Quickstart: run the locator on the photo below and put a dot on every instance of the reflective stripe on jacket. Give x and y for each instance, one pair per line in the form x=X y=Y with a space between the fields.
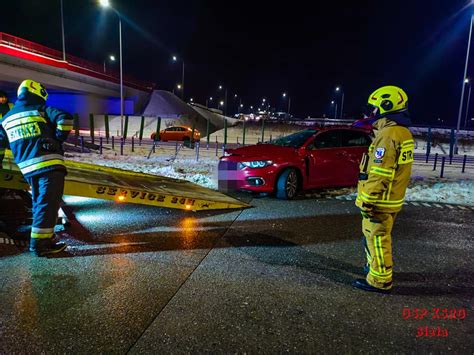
x=35 y=134
x=385 y=171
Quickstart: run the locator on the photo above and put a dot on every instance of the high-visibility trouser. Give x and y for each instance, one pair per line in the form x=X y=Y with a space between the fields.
x=47 y=191
x=378 y=248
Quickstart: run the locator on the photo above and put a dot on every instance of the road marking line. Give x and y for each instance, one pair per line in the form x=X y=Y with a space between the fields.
x=449 y=206
x=462 y=207
x=415 y=203
x=436 y=205
x=426 y=204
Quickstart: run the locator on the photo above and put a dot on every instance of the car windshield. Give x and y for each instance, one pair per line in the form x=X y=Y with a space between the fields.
x=295 y=140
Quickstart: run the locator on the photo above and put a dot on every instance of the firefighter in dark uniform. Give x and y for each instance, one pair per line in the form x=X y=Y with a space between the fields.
x=35 y=133
x=383 y=180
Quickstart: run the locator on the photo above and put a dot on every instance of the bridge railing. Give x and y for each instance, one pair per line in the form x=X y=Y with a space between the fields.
x=32 y=47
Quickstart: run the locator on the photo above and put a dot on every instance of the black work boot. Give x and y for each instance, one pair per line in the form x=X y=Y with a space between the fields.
x=44 y=247
x=362 y=284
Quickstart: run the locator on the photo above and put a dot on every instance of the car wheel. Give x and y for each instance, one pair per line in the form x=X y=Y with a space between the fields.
x=287 y=184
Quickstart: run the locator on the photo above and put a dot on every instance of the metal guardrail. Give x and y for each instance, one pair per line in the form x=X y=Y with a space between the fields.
x=455 y=158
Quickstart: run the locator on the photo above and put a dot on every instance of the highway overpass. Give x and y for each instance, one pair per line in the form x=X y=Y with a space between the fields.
x=82 y=87
x=74 y=84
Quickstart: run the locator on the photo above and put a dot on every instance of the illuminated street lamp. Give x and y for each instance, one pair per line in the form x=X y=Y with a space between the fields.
x=178 y=87
x=464 y=83
x=175 y=59
x=339 y=89
x=207 y=101
x=106 y=4
x=225 y=99
x=111 y=58
x=335 y=108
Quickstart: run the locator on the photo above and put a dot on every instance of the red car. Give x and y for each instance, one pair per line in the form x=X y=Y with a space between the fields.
x=309 y=159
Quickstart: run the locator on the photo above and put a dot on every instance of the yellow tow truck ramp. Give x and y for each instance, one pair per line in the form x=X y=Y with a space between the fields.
x=122 y=186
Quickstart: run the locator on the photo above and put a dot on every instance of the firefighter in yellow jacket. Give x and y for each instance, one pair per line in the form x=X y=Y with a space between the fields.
x=384 y=176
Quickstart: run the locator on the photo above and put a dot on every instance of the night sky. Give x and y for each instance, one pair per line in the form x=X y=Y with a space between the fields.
x=259 y=49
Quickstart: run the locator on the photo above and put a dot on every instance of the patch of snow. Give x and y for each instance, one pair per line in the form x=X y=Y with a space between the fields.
x=437 y=190
x=203 y=173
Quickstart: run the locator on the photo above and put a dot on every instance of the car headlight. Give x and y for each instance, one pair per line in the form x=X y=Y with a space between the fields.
x=256 y=164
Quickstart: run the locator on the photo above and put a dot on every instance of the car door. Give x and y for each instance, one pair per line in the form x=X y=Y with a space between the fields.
x=181 y=133
x=167 y=134
x=174 y=134
x=324 y=160
x=355 y=144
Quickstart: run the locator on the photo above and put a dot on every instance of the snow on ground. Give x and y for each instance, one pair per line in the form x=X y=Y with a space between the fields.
x=426 y=185
x=203 y=173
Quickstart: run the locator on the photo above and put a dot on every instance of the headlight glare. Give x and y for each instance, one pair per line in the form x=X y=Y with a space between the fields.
x=256 y=164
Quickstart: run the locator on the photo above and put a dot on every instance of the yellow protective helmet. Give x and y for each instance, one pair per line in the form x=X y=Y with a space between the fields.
x=389 y=99
x=33 y=87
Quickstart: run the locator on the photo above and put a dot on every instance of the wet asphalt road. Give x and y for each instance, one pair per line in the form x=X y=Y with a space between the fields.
x=273 y=278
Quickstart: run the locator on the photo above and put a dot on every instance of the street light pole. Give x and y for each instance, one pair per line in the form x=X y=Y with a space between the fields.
x=182 y=83
x=225 y=99
x=225 y=102
x=62 y=32
x=342 y=100
x=106 y=4
x=463 y=86
x=121 y=75
x=335 y=108
x=175 y=58
x=111 y=58
x=342 y=106
x=467 y=105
